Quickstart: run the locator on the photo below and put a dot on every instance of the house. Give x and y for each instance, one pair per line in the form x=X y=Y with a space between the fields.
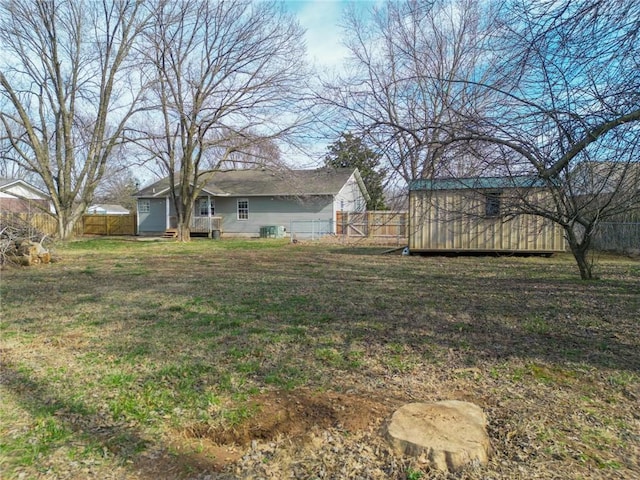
x=606 y=179
x=18 y=196
x=250 y=202
x=107 y=209
x=480 y=215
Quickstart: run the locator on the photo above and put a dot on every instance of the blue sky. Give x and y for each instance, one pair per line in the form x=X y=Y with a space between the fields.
x=320 y=19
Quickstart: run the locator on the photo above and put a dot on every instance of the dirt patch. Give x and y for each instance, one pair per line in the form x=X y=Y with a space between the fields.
x=294 y=414
x=293 y=432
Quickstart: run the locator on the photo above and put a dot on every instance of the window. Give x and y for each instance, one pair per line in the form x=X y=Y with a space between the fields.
x=144 y=206
x=203 y=207
x=243 y=209
x=492 y=205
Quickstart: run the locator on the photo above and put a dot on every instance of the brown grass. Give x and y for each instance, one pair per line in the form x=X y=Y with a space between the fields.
x=263 y=359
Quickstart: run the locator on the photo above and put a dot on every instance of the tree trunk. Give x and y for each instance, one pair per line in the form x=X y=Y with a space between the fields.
x=184 y=219
x=580 y=251
x=184 y=232
x=66 y=224
x=584 y=265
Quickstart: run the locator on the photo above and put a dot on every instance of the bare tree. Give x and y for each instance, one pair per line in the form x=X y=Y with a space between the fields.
x=251 y=151
x=9 y=163
x=399 y=93
x=571 y=117
x=547 y=89
x=118 y=187
x=227 y=77
x=68 y=91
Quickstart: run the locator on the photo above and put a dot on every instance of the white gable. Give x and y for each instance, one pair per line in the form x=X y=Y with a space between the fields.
x=350 y=197
x=18 y=190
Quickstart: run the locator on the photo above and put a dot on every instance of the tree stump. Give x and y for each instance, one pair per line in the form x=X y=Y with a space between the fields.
x=451 y=434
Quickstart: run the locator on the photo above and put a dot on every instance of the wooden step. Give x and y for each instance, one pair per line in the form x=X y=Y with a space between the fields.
x=170 y=233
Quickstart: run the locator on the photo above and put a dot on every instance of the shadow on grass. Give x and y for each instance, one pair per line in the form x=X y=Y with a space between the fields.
x=96 y=431
x=551 y=320
x=204 y=322
x=555 y=320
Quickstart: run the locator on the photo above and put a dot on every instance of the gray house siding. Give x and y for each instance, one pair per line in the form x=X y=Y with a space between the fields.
x=274 y=199
x=155 y=219
x=264 y=211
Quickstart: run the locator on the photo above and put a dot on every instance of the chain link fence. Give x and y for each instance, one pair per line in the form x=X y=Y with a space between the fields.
x=623 y=237
x=310 y=229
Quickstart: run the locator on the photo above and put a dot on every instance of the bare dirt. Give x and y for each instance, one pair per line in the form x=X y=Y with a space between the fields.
x=294 y=414
x=288 y=429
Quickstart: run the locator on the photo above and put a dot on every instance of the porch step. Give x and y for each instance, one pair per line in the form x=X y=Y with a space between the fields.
x=170 y=233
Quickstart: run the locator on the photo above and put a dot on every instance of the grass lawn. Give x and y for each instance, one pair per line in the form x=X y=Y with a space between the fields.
x=262 y=359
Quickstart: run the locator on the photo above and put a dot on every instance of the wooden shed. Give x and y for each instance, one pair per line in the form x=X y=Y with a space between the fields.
x=480 y=215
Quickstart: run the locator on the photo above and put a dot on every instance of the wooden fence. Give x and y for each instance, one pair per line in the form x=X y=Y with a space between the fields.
x=109 y=224
x=89 y=224
x=372 y=224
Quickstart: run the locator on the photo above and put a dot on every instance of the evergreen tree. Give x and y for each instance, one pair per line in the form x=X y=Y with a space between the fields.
x=350 y=151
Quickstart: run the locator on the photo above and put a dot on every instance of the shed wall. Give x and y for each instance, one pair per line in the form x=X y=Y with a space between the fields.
x=455 y=221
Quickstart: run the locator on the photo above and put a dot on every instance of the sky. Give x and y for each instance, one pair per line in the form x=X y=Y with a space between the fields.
x=320 y=19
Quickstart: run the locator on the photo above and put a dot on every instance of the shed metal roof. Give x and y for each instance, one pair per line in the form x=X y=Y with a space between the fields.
x=476 y=183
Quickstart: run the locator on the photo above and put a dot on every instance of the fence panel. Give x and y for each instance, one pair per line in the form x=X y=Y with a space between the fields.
x=88 y=225
x=39 y=222
x=109 y=224
x=372 y=224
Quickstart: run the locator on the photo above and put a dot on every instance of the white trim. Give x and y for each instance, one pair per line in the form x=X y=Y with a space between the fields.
x=238 y=209
x=334 y=216
x=167 y=213
x=137 y=219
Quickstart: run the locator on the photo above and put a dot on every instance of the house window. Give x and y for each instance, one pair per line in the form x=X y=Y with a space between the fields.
x=243 y=209
x=144 y=206
x=203 y=207
x=492 y=205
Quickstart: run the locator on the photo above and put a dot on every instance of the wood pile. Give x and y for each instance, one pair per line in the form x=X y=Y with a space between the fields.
x=25 y=252
x=19 y=243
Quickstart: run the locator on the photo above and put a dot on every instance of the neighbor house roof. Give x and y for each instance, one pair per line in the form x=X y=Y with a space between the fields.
x=593 y=177
x=10 y=185
x=107 y=208
x=476 y=183
x=261 y=182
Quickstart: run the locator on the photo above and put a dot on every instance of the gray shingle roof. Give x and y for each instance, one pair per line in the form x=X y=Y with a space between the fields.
x=260 y=182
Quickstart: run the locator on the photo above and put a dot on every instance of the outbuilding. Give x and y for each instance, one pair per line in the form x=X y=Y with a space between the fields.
x=481 y=215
